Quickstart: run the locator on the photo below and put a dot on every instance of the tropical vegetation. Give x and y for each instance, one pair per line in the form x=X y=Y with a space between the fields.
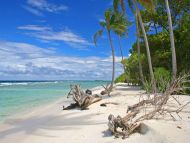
x=162 y=48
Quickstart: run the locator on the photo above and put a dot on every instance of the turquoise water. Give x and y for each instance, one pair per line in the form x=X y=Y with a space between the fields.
x=17 y=97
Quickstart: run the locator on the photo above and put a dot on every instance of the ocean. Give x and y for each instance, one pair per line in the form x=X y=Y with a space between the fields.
x=19 y=96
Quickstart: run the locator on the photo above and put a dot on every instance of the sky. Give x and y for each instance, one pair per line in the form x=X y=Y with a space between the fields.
x=53 y=40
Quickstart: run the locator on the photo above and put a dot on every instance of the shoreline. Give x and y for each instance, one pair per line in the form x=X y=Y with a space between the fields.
x=52 y=124
x=38 y=107
x=29 y=112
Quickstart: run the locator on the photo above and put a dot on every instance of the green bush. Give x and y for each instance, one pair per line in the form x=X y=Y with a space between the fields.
x=121 y=78
x=147 y=86
x=163 y=78
x=185 y=83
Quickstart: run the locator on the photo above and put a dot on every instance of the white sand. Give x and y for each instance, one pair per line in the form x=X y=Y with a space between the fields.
x=51 y=124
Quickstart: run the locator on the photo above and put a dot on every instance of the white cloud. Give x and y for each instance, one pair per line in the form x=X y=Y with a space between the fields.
x=48 y=34
x=34 y=28
x=38 y=6
x=23 y=48
x=26 y=61
x=66 y=36
x=33 y=11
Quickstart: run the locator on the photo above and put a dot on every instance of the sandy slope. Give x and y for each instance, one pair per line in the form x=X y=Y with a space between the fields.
x=52 y=125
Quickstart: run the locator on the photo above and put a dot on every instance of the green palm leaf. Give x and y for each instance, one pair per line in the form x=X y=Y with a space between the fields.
x=97 y=35
x=148 y=4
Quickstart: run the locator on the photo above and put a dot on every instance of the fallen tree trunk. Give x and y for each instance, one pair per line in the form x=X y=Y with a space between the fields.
x=82 y=99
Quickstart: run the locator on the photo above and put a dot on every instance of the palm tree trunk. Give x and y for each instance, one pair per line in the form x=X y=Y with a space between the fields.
x=147 y=47
x=121 y=51
x=139 y=51
x=174 y=63
x=113 y=58
x=123 y=7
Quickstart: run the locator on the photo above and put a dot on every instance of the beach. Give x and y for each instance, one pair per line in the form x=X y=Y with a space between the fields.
x=50 y=124
x=23 y=96
x=95 y=71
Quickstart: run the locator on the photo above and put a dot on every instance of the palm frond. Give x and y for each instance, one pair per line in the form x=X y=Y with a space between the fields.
x=103 y=24
x=97 y=35
x=148 y=4
x=120 y=29
x=112 y=19
x=108 y=15
x=120 y=25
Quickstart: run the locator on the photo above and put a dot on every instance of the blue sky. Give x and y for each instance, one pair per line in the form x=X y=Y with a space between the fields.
x=52 y=39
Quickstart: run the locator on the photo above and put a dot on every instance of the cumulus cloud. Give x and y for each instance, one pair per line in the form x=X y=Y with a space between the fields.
x=37 y=7
x=48 y=34
x=26 y=61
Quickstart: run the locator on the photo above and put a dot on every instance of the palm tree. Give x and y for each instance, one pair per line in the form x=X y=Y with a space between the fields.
x=174 y=63
x=138 y=42
x=149 y=2
x=120 y=28
x=139 y=50
x=146 y=45
x=107 y=25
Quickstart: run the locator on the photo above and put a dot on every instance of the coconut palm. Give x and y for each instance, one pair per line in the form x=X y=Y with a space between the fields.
x=138 y=42
x=120 y=21
x=109 y=24
x=174 y=63
x=149 y=4
x=146 y=44
x=139 y=50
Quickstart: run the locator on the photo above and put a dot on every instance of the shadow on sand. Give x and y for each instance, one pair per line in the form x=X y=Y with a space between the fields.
x=62 y=122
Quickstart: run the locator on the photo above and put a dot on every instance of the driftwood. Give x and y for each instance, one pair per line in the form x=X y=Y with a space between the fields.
x=105 y=104
x=89 y=92
x=71 y=106
x=132 y=122
x=175 y=86
x=126 y=128
x=82 y=99
x=107 y=90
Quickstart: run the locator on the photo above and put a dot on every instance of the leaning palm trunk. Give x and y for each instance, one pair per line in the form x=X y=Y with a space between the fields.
x=174 y=64
x=147 y=47
x=121 y=51
x=139 y=52
x=113 y=58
